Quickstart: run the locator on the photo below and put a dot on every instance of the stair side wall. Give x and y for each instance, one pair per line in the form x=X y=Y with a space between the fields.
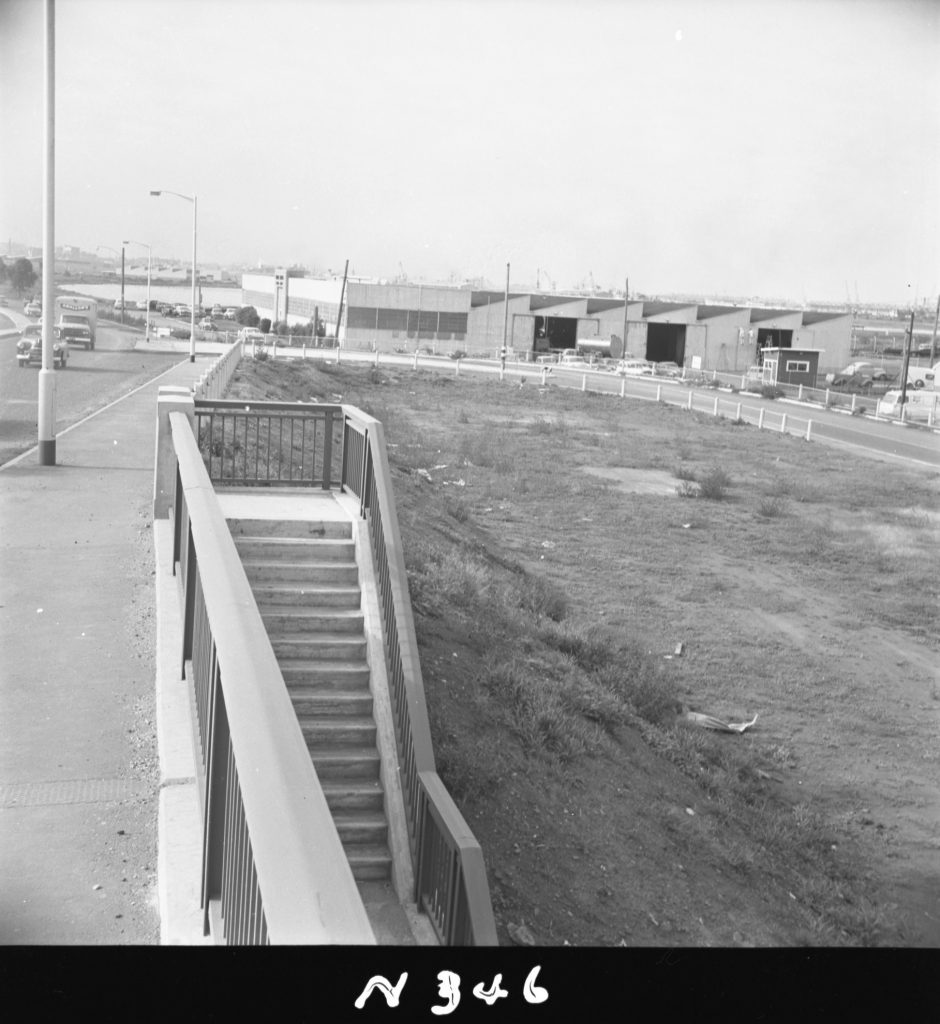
x=399 y=847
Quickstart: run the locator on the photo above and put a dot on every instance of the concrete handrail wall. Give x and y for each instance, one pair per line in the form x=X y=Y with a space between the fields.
x=450 y=877
x=214 y=381
x=299 y=875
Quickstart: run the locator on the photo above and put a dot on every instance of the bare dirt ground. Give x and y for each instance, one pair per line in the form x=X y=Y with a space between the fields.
x=806 y=593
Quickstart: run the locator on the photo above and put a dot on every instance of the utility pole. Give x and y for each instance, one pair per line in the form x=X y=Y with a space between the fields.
x=122 y=284
x=46 y=396
x=933 y=340
x=907 y=360
x=342 y=295
x=626 y=307
x=505 y=318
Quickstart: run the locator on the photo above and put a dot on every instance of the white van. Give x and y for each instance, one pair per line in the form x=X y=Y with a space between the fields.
x=921 y=377
x=920 y=405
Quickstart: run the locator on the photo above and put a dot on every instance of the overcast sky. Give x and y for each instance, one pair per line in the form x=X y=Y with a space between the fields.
x=757 y=149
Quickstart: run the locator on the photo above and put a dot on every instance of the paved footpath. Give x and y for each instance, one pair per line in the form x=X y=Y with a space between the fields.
x=79 y=773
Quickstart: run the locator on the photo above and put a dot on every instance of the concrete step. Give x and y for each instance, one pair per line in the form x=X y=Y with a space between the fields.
x=305 y=595
x=334 y=673
x=338 y=731
x=295 y=549
x=361 y=828
x=345 y=763
x=305 y=528
x=312 y=620
x=369 y=862
x=315 y=701
x=356 y=794
x=291 y=648
x=259 y=570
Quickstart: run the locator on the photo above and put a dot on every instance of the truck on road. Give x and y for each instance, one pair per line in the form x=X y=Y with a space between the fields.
x=76 y=320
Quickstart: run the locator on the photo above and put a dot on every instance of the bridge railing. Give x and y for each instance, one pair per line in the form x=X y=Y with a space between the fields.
x=270 y=444
x=450 y=877
x=274 y=870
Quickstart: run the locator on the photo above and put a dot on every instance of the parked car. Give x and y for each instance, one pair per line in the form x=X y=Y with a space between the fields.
x=231 y=312
x=181 y=309
x=919 y=405
x=635 y=368
x=33 y=309
x=667 y=370
x=217 y=310
x=857 y=382
x=29 y=348
x=207 y=325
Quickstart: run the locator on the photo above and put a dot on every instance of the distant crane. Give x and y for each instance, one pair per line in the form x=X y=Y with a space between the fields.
x=538 y=278
x=402 y=276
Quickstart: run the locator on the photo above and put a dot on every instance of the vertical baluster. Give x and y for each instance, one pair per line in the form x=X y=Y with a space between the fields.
x=267 y=464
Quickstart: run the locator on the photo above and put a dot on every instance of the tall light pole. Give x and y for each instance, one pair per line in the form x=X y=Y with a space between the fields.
x=46 y=396
x=192 y=308
x=149 y=249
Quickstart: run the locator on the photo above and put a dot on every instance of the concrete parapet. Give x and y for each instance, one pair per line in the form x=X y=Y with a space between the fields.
x=169 y=399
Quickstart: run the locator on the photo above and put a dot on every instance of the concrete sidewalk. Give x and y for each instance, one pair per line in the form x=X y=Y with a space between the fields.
x=79 y=773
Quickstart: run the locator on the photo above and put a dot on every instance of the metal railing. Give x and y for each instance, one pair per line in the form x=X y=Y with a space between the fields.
x=450 y=877
x=274 y=870
x=269 y=444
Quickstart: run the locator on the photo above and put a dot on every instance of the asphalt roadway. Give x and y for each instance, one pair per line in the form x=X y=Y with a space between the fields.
x=79 y=771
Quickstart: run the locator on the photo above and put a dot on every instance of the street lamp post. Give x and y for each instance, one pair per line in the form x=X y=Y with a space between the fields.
x=192 y=320
x=149 y=249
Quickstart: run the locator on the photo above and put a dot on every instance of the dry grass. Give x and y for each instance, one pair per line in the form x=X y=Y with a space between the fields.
x=575 y=591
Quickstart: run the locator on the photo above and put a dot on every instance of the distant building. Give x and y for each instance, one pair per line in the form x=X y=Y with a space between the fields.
x=396 y=316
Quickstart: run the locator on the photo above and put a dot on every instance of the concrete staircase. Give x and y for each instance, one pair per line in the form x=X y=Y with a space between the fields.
x=306 y=583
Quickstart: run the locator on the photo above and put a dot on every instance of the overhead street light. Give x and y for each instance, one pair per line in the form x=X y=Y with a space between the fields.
x=192 y=322
x=149 y=266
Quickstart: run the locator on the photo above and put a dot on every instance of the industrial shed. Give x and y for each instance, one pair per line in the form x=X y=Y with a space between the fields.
x=390 y=317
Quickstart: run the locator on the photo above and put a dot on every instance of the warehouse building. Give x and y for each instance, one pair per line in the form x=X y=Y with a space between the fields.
x=369 y=316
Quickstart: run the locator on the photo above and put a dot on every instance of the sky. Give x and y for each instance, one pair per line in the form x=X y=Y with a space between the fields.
x=749 y=148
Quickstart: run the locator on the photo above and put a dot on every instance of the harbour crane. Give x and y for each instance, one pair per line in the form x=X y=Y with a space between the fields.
x=538 y=279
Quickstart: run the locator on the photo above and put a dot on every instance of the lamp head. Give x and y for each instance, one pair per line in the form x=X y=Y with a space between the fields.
x=156 y=191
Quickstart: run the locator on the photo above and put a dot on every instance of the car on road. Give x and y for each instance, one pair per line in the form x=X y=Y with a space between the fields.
x=29 y=348
x=33 y=309
x=634 y=368
x=231 y=312
x=217 y=310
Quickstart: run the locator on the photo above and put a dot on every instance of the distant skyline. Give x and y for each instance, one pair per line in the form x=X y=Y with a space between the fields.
x=734 y=147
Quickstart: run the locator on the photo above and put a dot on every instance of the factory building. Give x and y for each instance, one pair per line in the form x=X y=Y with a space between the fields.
x=369 y=316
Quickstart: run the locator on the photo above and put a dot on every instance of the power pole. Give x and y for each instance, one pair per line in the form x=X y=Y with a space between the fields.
x=342 y=295
x=505 y=318
x=907 y=360
x=122 y=284
x=933 y=340
x=626 y=307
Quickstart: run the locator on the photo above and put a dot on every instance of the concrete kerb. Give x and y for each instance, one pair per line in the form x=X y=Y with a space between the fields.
x=179 y=823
